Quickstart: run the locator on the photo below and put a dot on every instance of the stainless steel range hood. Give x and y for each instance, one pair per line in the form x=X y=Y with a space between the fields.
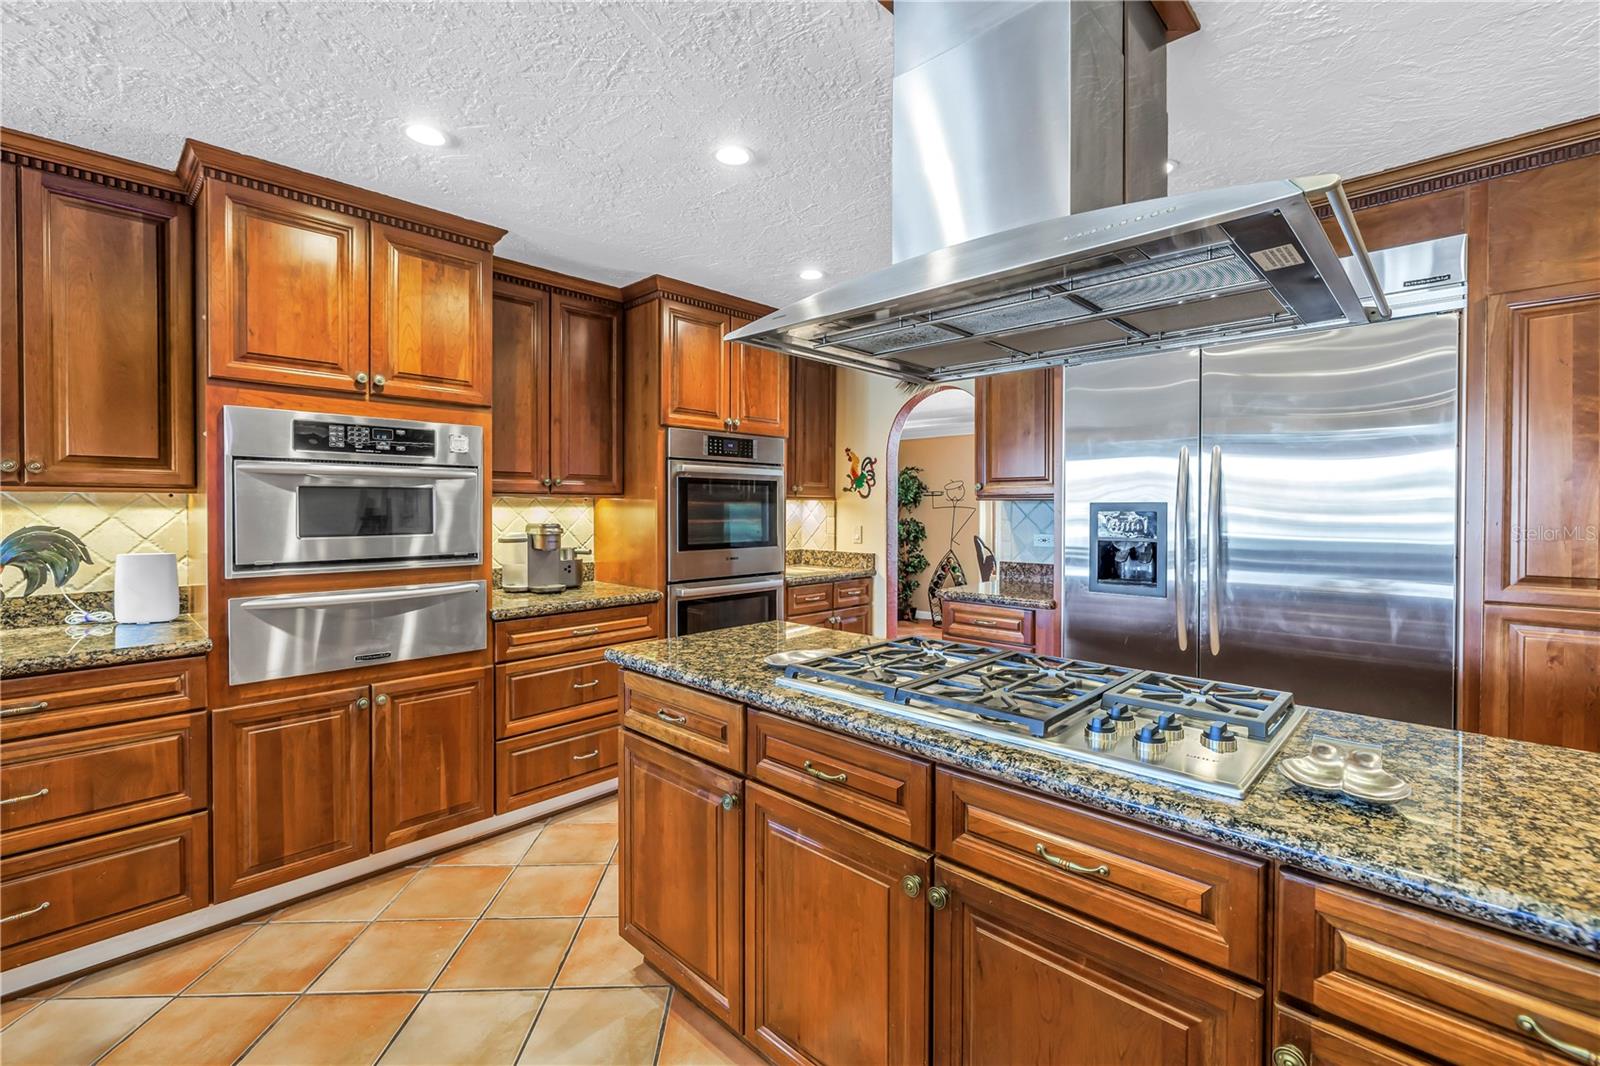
x=1008 y=116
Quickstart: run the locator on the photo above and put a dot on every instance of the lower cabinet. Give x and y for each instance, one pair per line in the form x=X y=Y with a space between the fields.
x=1018 y=981
x=555 y=761
x=681 y=899
x=432 y=755
x=1302 y=1039
x=836 y=938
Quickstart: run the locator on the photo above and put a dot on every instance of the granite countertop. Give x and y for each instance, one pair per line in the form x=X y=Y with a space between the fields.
x=1006 y=592
x=1500 y=831
x=589 y=596
x=812 y=566
x=29 y=650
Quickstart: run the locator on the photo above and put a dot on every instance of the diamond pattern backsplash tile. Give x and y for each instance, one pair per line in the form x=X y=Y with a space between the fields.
x=109 y=523
x=810 y=524
x=511 y=514
x=1017 y=523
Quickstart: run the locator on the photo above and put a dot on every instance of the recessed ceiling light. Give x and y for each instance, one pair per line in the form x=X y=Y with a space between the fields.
x=733 y=155
x=1170 y=165
x=811 y=274
x=431 y=136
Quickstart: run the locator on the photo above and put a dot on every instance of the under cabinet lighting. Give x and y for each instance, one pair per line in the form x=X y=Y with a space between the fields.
x=431 y=136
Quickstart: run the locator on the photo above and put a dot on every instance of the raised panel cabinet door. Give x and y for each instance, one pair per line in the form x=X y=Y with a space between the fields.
x=10 y=332
x=107 y=337
x=1017 y=432
x=521 y=423
x=289 y=788
x=432 y=755
x=431 y=319
x=758 y=388
x=836 y=944
x=1543 y=447
x=682 y=848
x=286 y=291
x=1541 y=675
x=694 y=375
x=585 y=397
x=1018 y=981
x=812 y=423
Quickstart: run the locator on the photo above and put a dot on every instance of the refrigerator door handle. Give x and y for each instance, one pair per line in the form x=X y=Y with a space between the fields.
x=1214 y=552
x=1180 y=584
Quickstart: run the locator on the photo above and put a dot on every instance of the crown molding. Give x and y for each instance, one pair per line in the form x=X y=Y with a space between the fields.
x=658 y=286
x=514 y=273
x=202 y=162
x=54 y=157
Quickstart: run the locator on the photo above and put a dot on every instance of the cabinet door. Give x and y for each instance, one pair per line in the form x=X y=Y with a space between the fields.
x=758 y=388
x=681 y=899
x=431 y=332
x=1541 y=675
x=286 y=291
x=694 y=376
x=1017 y=431
x=10 y=332
x=432 y=755
x=106 y=337
x=1017 y=981
x=521 y=423
x=585 y=397
x=836 y=960
x=289 y=788
x=812 y=424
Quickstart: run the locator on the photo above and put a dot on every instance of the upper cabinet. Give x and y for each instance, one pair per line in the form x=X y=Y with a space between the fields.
x=758 y=388
x=313 y=284
x=557 y=384
x=812 y=395
x=1017 y=434
x=97 y=367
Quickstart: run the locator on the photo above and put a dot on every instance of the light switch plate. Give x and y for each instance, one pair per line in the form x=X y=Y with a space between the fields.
x=1042 y=540
x=859 y=533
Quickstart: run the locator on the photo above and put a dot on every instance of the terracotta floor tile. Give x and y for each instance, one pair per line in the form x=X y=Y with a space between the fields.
x=64 y=1032
x=278 y=958
x=163 y=973
x=602 y=811
x=12 y=1009
x=546 y=892
x=336 y=1030
x=448 y=892
x=510 y=953
x=504 y=850
x=394 y=957
x=199 y=1031
x=605 y=897
x=465 y=1027
x=693 y=1037
x=600 y=957
x=616 y=1026
x=359 y=902
x=573 y=842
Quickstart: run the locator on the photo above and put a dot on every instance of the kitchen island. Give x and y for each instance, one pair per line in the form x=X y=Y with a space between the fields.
x=1495 y=833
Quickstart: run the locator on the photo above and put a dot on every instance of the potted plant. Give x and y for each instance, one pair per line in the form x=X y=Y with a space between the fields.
x=913 y=533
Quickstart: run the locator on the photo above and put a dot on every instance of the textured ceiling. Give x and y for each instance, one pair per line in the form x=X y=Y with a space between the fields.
x=586 y=129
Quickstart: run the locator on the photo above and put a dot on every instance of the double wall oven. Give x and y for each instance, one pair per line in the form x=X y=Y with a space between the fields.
x=725 y=535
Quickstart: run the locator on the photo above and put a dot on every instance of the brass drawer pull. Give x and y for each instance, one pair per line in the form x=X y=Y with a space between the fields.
x=586 y=684
x=820 y=775
x=985 y=622
x=29 y=913
x=25 y=708
x=667 y=716
x=1071 y=867
x=1288 y=1055
x=595 y=754
x=1528 y=1024
x=30 y=796
x=585 y=631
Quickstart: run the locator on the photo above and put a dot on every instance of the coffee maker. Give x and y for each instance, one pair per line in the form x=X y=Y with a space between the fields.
x=534 y=563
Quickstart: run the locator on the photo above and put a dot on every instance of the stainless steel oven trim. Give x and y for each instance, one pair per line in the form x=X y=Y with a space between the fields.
x=713 y=563
x=700 y=590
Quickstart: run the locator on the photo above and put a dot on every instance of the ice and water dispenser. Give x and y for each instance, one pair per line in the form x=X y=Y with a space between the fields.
x=1128 y=553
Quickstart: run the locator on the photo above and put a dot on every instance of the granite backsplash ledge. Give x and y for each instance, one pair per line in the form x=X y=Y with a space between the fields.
x=53 y=609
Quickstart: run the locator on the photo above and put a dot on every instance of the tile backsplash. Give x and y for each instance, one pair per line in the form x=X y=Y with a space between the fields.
x=109 y=524
x=510 y=514
x=810 y=524
x=1016 y=523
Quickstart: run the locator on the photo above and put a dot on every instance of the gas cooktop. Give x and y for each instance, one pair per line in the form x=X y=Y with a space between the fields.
x=1206 y=735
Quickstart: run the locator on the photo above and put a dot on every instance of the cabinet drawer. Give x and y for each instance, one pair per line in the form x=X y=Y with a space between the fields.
x=75 y=894
x=54 y=703
x=853 y=620
x=879 y=788
x=987 y=624
x=559 y=633
x=1442 y=986
x=856 y=592
x=1203 y=902
x=700 y=724
x=807 y=599
x=552 y=762
x=820 y=619
x=541 y=693
x=1327 y=1044
x=59 y=788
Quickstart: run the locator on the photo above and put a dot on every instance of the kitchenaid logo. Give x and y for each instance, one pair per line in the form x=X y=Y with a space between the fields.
x=1526 y=534
x=374 y=656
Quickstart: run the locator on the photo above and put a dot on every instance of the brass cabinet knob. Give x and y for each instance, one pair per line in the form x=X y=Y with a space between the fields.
x=978 y=486
x=1289 y=1055
x=546 y=482
x=911 y=884
x=7 y=465
x=557 y=481
x=735 y=423
x=938 y=897
x=361 y=377
x=34 y=466
x=363 y=703
x=729 y=801
x=381 y=699
x=378 y=381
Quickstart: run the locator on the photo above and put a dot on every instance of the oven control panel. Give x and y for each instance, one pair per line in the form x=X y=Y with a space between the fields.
x=351 y=439
x=730 y=447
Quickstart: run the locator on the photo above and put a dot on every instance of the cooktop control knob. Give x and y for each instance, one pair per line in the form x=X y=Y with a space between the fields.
x=1170 y=723
x=1102 y=732
x=1220 y=739
x=1122 y=718
x=1150 y=743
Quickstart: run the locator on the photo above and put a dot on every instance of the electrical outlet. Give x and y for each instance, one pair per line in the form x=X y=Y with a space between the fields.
x=1042 y=540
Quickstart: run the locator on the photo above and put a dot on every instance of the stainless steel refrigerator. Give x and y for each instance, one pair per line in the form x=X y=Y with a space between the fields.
x=1280 y=513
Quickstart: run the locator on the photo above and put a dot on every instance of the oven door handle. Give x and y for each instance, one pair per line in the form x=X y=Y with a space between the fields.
x=700 y=592
x=729 y=470
x=338 y=599
x=344 y=470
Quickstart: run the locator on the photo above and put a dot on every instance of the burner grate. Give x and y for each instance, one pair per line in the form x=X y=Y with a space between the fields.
x=1257 y=711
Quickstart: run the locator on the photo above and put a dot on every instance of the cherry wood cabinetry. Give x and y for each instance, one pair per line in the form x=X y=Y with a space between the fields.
x=555 y=761
x=431 y=326
x=1017 y=431
x=585 y=397
x=681 y=894
x=813 y=400
x=842 y=605
x=98 y=366
x=758 y=388
x=521 y=388
x=1541 y=675
x=55 y=703
x=432 y=755
x=1001 y=626
x=1324 y=1043
x=694 y=367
